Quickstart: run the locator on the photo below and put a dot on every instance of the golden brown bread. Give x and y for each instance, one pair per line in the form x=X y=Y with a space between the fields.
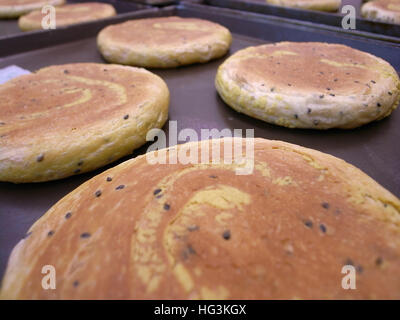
x=309 y=85
x=16 y=8
x=382 y=10
x=69 y=119
x=68 y=14
x=198 y=231
x=164 y=42
x=319 y=5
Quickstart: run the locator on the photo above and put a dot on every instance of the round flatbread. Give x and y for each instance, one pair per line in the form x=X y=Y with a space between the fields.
x=163 y=42
x=382 y=10
x=16 y=8
x=319 y=5
x=68 y=14
x=68 y=119
x=200 y=231
x=309 y=85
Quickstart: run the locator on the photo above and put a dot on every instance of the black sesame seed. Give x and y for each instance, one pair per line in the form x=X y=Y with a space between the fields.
x=289 y=84
x=50 y=233
x=360 y=269
x=213 y=176
x=2 y=123
x=331 y=94
x=80 y=163
x=321 y=96
x=188 y=251
x=323 y=228
x=390 y=93
x=68 y=215
x=109 y=179
x=97 y=193
x=378 y=104
x=126 y=116
x=66 y=71
x=373 y=81
x=296 y=116
x=193 y=228
x=85 y=235
x=272 y=89
x=308 y=223
x=335 y=79
x=328 y=89
x=316 y=122
x=76 y=283
x=309 y=110
x=379 y=261
x=120 y=187
x=349 y=262
x=166 y=206
x=40 y=157
x=325 y=205
x=77 y=171
x=226 y=234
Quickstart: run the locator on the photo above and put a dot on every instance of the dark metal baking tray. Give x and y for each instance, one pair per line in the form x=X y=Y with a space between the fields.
x=9 y=27
x=327 y=18
x=196 y=104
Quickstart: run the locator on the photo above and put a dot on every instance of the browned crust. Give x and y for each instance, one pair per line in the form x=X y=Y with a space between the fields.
x=391 y=5
x=164 y=42
x=309 y=85
x=382 y=10
x=68 y=14
x=16 y=8
x=317 y=67
x=140 y=231
x=164 y=31
x=60 y=116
